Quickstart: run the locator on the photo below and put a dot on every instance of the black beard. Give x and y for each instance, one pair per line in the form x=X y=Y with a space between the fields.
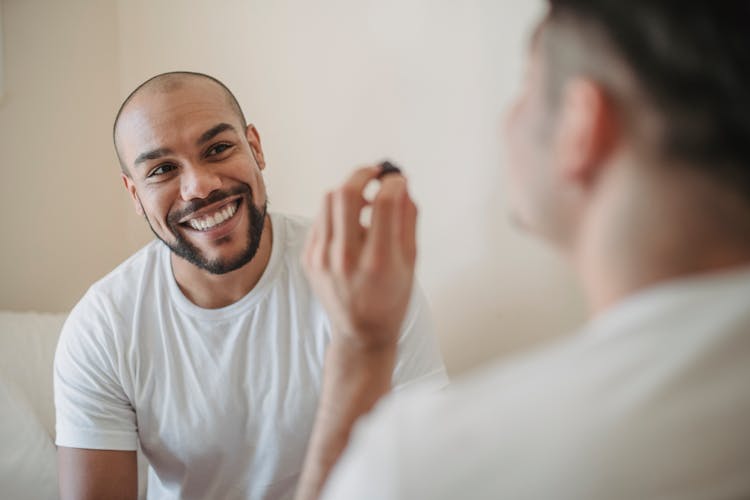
x=183 y=248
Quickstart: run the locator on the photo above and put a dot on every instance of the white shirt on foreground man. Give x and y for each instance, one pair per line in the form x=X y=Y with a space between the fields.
x=648 y=401
x=629 y=152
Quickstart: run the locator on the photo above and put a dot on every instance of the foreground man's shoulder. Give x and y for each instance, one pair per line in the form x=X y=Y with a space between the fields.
x=558 y=423
x=482 y=420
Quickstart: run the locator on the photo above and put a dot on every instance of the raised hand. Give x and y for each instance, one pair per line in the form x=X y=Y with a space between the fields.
x=362 y=275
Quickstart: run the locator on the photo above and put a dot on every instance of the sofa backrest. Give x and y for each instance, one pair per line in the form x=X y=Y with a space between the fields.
x=27 y=352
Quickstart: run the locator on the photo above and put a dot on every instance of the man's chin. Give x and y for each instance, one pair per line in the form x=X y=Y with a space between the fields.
x=223 y=254
x=215 y=264
x=219 y=256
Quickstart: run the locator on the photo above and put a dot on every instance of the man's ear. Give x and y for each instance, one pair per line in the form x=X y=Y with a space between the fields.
x=253 y=138
x=587 y=130
x=130 y=186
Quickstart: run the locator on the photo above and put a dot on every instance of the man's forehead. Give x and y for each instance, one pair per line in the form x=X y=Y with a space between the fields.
x=156 y=114
x=164 y=102
x=170 y=106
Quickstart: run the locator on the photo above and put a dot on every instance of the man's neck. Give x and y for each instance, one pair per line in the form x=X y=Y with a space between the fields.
x=657 y=230
x=212 y=291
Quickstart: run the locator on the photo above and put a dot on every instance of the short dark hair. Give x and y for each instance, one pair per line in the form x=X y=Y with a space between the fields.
x=165 y=82
x=691 y=63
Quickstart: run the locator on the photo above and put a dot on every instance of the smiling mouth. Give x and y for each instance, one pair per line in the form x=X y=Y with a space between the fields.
x=214 y=219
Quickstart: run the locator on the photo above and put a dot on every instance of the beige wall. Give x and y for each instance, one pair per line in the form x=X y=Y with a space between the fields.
x=59 y=197
x=330 y=84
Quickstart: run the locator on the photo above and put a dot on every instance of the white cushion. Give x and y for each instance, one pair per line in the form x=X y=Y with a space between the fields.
x=28 y=467
x=27 y=352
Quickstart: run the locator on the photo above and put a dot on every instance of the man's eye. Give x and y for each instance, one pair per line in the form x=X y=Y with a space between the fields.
x=218 y=149
x=161 y=170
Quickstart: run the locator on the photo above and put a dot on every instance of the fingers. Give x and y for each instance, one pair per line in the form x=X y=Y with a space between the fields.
x=409 y=230
x=326 y=229
x=393 y=221
x=336 y=235
x=337 y=239
x=348 y=233
x=316 y=246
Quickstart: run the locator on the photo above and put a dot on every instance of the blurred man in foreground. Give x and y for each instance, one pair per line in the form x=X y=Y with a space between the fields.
x=630 y=152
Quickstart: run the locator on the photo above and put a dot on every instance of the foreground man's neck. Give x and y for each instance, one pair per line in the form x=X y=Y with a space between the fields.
x=656 y=231
x=212 y=291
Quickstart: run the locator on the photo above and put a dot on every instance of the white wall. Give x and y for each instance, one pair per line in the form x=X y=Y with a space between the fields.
x=333 y=84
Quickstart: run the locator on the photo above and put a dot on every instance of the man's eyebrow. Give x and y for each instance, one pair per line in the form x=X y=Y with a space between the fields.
x=213 y=132
x=152 y=155
x=204 y=138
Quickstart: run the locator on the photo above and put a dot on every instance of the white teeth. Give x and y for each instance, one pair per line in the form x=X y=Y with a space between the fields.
x=211 y=220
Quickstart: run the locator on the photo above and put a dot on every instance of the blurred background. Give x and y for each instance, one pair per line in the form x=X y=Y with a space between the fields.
x=331 y=85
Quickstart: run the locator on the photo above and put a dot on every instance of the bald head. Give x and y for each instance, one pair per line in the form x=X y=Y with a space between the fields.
x=169 y=83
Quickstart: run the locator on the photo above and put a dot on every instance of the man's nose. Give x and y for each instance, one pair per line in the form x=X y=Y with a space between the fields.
x=198 y=182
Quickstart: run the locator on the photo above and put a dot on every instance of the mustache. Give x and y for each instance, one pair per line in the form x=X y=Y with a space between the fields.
x=213 y=197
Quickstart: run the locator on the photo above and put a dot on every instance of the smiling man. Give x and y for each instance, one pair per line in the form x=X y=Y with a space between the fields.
x=206 y=347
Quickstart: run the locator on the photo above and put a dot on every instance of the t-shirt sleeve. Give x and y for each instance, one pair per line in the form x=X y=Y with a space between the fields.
x=419 y=361
x=92 y=409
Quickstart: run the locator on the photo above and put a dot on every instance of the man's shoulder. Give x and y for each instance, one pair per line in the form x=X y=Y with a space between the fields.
x=124 y=282
x=289 y=235
x=487 y=413
x=147 y=259
x=614 y=399
x=293 y=228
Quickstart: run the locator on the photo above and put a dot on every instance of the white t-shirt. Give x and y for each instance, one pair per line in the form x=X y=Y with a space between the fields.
x=222 y=401
x=650 y=401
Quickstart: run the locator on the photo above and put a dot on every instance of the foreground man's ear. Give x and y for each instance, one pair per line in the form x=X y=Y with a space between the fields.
x=587 y=130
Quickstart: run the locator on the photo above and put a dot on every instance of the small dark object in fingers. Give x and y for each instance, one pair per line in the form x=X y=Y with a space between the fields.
x=388 y=168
